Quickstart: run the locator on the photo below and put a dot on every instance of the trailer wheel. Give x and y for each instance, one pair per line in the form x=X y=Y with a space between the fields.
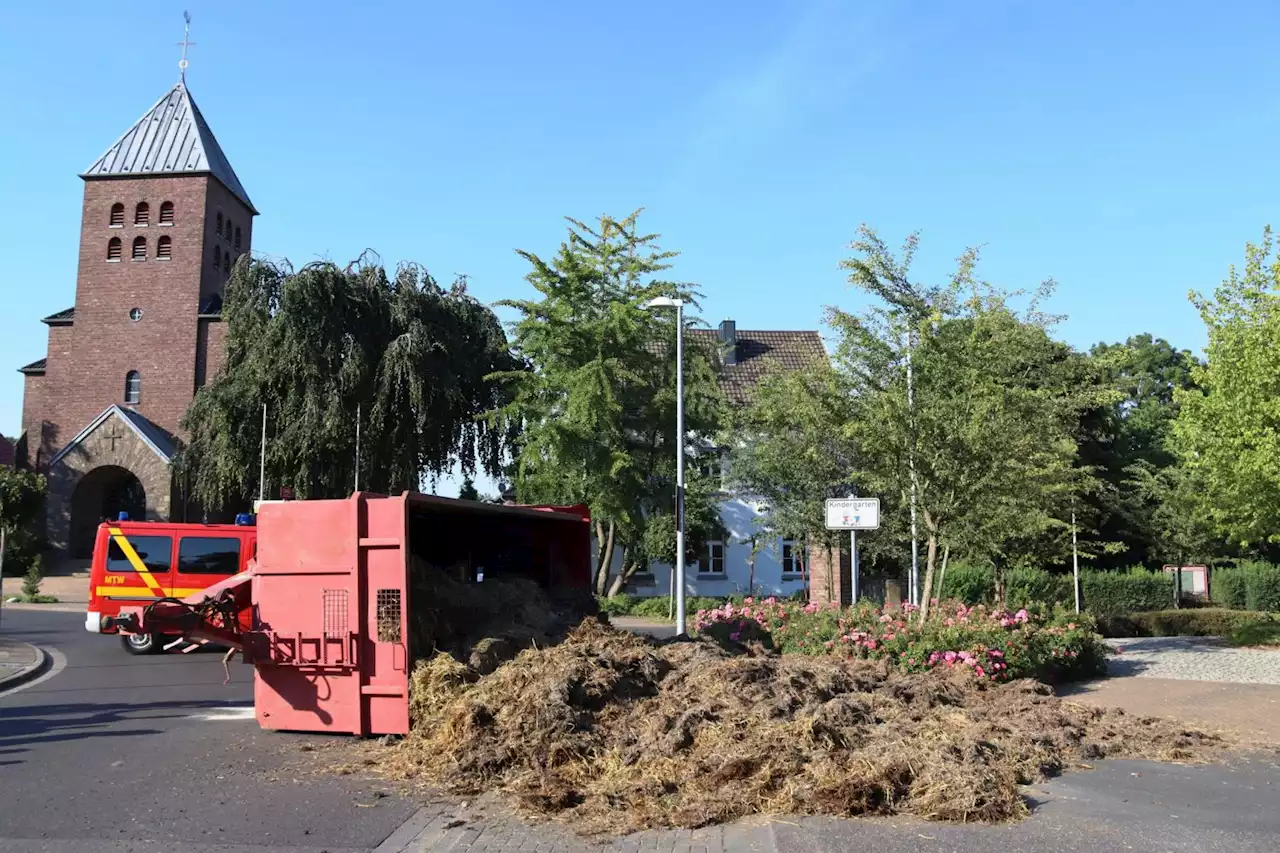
x=140 y=644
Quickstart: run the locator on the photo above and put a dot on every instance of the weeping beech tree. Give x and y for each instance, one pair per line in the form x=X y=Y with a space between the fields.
x=324 y=344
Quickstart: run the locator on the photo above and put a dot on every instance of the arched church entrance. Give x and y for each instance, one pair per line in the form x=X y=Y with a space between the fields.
x=101 y=495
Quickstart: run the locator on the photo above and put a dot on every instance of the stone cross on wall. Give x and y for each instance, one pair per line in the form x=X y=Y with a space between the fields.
x=115 y=435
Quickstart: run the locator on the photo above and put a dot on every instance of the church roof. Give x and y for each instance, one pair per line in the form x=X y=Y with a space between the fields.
x=160 y=442
x=65 y=317
x=171 y=138
x=35 y=368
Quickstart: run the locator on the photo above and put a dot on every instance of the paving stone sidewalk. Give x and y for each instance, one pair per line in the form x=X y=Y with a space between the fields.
x=72 y=589
x=17 y=661
x=1194 y=659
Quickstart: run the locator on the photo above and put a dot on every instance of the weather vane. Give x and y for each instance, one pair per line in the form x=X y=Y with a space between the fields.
x=185 y=43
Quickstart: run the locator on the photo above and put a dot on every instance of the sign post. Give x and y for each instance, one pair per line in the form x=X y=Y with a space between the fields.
x=853 y=514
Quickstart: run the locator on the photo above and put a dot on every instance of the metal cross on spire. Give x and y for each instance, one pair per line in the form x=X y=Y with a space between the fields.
x=184 y=44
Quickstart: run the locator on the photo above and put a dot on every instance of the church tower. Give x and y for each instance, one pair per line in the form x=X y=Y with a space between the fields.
x=163 y=221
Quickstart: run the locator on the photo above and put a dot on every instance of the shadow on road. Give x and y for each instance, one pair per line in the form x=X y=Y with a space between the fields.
x=20 y=727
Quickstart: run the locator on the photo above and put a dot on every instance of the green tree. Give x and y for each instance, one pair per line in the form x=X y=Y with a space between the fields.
x=597 y=404
x=793 y=450
x=1131 y=430
x=468 y=490
x=323 y=346
x=1227 y=433
x=22 y=496
x=985 y=433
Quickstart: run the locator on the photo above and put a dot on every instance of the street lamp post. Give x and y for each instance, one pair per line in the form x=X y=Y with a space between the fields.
x=678 y=304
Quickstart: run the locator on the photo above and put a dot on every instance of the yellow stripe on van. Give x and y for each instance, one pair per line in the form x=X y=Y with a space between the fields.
x=153 y=585
x=141 y=592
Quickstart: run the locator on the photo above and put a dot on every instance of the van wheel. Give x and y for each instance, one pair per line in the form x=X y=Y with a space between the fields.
x=140 y=644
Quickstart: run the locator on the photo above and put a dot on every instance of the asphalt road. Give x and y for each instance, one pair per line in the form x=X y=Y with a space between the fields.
x=116 y=754
x=122 y=753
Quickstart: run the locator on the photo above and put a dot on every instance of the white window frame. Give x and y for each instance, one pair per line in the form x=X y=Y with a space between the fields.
x=783 y=546
x=711 y=557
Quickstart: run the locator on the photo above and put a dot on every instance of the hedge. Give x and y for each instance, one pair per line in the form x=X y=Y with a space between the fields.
x=1195 y=622
x=1250 y=585
x=1227 y=587
x=1102 y=592
x=1134 y=591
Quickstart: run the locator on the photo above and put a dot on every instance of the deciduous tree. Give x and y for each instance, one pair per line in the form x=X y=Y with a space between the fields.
x=1227 y=433
x=597 y=404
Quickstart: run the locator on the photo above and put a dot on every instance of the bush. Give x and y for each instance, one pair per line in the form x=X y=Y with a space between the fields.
x=31 y=581
x=1256 y=634
x=1262 y=586
x=618 y=605
x=1198 y=622
x=22 y=550
x=971 y=583
x=1227 y=587
x=1024 y=587
x=1134 y=591
x=991 y=644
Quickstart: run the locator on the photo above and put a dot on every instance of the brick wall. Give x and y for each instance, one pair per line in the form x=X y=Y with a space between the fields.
x=830 y=575
x=88 y=362
x=211 y=351
x=221 y=201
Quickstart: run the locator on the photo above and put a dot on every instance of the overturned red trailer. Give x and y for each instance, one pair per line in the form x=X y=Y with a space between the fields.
x=324 y=614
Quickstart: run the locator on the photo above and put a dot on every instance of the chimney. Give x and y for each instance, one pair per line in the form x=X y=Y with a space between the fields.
x=728 y=336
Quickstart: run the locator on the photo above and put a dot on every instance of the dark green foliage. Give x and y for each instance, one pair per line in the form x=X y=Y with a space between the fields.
x=1248 y=585
x=1134 y=591
x=31 y=581
x=1192 y=622
x=467 y=491
x=319 y=345
x=1262 y=587
x=1256 y=634
x=597 y=402
x=1025 y=587
x=972 y=583
x=1227 y=586
x=21 y=501
x=1129 y=431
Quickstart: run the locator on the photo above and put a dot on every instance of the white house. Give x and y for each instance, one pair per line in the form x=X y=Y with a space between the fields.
x=745 y=358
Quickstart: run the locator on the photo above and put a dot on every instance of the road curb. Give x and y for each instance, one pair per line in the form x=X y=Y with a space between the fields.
x=27 y=673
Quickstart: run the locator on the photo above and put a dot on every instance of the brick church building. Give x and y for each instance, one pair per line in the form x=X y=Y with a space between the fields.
x=163 y=221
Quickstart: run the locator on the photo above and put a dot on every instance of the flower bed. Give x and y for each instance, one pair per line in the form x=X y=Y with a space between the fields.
x=992 y=644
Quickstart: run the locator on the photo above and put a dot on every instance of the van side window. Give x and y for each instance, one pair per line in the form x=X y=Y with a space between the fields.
x=156 y=553
x=209 y=555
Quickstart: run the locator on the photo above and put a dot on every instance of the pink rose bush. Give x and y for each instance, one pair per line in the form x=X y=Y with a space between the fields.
x=987 y=643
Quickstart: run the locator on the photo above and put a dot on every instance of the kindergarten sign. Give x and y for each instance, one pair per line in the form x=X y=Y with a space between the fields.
x=853 y=513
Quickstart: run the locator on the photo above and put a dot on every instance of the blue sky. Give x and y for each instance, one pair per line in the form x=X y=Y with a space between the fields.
x=1125 y=149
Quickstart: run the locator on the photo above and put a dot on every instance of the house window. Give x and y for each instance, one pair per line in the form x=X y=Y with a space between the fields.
x=139 y=248
x=113 y=249
x=166 y=213
x=227 y=233
x=237 y=238
x=117 y=215
x=791 y=560
x=164 y=248
x=135 y=314
x=218 y=225
x=715 y=557
x=133 y=387
x=217 y=258
x=142 y=214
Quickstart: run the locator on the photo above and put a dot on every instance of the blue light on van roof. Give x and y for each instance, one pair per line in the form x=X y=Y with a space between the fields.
x=123 y=516
x=245 y=519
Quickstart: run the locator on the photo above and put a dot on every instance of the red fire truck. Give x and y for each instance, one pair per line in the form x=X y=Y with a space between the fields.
x=140 y=562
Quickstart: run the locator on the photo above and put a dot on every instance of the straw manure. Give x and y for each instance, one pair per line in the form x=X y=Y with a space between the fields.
x=617 y=733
